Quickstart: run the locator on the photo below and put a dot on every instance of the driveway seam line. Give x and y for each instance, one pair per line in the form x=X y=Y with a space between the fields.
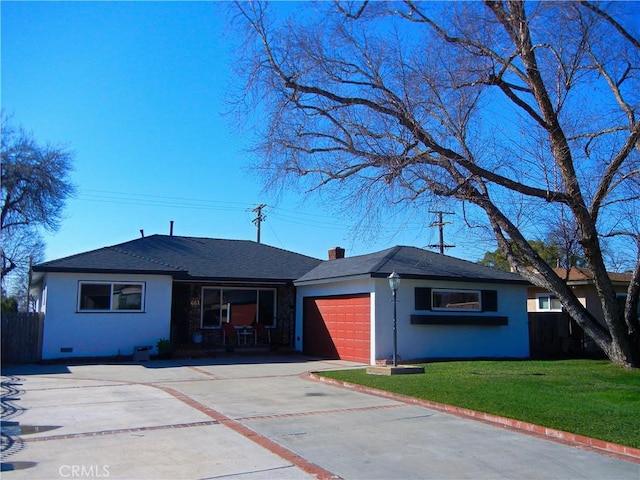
x=202 y=371
x=100 y=433
x=265 y=442
x=320 y=412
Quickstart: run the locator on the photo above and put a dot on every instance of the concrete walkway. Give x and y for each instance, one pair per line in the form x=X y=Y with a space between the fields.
x=254 y=418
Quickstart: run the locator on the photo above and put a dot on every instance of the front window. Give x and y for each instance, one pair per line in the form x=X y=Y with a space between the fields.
x=548 y=303
x=456 y=300
x=106 y=296
x=237 y=306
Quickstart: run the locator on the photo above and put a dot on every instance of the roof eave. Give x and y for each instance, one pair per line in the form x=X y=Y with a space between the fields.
x=227 y=280
x=120 y=271
x=316 y=281
x=449 y=278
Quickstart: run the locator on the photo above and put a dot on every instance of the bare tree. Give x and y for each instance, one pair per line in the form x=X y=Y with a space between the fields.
x=21 y=248
x=35 y=186
x=497 y=105
x=563 y=235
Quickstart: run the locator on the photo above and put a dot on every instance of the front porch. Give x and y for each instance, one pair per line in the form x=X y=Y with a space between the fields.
x=208 y=351
x=209 y=319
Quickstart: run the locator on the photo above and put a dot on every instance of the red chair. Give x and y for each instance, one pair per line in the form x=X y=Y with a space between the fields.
x=263 y=333
x=228 y=334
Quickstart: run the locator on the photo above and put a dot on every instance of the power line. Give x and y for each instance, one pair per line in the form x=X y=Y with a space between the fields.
x=126 y=198
x=307 y=222
x=326 y=222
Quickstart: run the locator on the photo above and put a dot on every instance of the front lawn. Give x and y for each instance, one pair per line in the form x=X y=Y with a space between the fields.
x=588 y=397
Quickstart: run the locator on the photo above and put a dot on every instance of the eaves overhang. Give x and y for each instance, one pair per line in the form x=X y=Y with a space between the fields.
x=336 y=278
x=589 y=282
x=227 y=280
x=120 y=271
x=178 y=276
x=441 y=278
x=449 y=278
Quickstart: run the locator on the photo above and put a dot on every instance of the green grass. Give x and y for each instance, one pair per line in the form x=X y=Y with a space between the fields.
x=587 y=397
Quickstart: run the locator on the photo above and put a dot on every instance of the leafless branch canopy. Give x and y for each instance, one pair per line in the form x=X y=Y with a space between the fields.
x=35 y=187
x=470 y=101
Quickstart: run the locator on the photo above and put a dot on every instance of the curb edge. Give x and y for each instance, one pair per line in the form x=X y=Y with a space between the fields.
x=599 y=446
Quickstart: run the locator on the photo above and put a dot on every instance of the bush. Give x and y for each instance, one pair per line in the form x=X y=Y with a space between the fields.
x=164 y=347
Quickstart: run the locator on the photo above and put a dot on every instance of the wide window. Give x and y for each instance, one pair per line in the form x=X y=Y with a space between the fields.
x=107 y=296
x=548 y=303
x=238 y=306
x=456 y=300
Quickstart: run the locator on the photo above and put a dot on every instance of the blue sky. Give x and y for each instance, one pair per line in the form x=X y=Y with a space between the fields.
x=137 y=90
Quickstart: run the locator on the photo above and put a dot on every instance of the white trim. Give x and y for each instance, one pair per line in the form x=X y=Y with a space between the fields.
x=111 y=309
x=551 y=297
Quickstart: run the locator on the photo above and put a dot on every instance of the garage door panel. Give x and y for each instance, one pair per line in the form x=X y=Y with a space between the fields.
x=316 y=337
x=337 y=327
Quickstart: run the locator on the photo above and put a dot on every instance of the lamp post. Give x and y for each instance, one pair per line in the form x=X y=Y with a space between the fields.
x=394 y=283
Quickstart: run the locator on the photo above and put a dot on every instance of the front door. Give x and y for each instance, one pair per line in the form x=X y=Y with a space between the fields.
x=180 y=311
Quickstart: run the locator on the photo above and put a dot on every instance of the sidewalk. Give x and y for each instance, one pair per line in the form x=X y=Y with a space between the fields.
x=256 y=418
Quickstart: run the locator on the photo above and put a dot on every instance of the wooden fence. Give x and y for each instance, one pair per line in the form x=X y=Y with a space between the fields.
x=555 y=334
x=21 y=337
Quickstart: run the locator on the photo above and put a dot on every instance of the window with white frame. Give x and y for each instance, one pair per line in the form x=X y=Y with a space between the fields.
x=111 y=296
x=546 y=302
x=456 y=300
x=237 y=306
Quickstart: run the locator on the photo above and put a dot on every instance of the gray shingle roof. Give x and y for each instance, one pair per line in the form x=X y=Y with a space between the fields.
x=244 y=260
x=189 y=258
x=408 y=262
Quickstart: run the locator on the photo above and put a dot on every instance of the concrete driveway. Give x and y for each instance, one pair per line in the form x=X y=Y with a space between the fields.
x=254 y=418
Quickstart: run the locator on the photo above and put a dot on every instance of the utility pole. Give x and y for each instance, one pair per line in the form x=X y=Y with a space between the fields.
x=259 y=218
x=440 y=224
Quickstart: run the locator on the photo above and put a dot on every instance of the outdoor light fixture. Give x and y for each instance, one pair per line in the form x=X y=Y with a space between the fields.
x=394 y=283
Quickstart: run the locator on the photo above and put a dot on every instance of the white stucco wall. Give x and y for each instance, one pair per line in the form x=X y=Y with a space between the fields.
x=452 y=341
x=97 y=334
x=431 y=341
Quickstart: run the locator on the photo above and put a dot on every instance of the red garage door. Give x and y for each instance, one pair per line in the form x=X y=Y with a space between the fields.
x=337 y=327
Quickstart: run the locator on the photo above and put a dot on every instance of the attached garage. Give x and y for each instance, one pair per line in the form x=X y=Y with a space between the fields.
x=446 y=308
x=338 y=327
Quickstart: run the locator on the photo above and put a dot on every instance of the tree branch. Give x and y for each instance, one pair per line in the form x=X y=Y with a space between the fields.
x=634 y=41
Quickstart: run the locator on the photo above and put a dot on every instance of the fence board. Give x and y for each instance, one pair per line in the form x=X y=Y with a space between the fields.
x=21 y=337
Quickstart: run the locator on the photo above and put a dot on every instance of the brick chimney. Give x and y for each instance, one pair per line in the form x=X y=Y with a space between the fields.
x=336 y=253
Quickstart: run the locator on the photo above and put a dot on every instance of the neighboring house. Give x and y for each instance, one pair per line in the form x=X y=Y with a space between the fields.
x=579 y=279
x=108 y=301
x=446 y=308
x=553 y=332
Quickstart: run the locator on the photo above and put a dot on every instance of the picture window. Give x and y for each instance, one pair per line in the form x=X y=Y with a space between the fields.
x=237 y=306
x=111 y=296
x=456 y=300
